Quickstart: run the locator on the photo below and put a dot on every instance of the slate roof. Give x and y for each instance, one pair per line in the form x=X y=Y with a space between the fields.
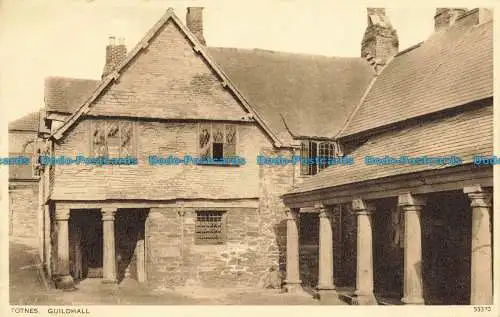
x=27 y=122
x=464 y=135
x=451 y=68
x=313 y=94
x=65 y=95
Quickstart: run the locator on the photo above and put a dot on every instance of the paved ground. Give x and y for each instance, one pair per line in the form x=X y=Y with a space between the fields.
x=27 y=289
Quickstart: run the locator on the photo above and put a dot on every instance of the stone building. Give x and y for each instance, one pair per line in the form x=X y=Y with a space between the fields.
x=223 y=225
x=415 y=232
x=23 y=179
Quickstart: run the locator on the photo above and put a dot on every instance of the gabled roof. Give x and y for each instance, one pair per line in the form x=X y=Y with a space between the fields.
x=311 y=95
x=464 y=135
x=169 y=15
x=452 y=68
x=27 y=122
x=65 y=95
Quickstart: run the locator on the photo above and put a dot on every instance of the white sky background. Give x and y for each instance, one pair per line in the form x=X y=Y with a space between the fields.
x=68 y=37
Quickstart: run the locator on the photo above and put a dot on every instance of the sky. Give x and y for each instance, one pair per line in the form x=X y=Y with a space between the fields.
x=43 y=38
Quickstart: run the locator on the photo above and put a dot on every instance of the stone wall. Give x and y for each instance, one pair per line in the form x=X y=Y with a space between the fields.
x=23 y=207
x=174 y=258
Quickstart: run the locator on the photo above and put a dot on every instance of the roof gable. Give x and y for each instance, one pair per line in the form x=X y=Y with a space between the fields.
x=112 y=83
x=452 y=68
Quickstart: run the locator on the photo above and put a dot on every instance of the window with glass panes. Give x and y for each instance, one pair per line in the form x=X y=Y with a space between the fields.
x=321 y=150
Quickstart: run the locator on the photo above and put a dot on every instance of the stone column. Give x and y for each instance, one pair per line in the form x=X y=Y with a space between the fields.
x=292 y=282
x=413 y=290
x=326 y=285
x=109 y=250
x=64 y=279
x=364 y=273
x=140 y=254
x=481 y=288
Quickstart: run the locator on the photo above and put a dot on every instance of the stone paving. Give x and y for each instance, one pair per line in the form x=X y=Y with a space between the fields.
x=27 y=289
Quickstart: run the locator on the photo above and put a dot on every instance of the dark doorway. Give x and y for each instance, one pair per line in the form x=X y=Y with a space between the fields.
x=86 y=244
x=388 y=248
x=446 y=236
x=129 y=230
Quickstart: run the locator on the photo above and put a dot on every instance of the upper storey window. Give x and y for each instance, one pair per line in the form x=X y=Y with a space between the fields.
x=316 y=154
x=112 y=138
x=217 y=141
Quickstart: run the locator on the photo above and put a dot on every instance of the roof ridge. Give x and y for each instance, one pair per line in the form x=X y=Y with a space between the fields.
x=256 y=49
x=73 y=78
x=144 y=43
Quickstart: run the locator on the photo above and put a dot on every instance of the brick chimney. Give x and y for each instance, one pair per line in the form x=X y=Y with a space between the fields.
x=115 y=55
x=194 y=22
x=380 y=41
x=445 y=17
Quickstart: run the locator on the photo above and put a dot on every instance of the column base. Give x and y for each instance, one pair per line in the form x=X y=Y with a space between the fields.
x=364 y=299
x=65 y=282
x=413 y=300
x=293 y=286
x=329 y=297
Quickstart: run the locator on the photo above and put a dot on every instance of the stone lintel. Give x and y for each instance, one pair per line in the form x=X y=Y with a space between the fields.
x=474 y=189
x=411 y=200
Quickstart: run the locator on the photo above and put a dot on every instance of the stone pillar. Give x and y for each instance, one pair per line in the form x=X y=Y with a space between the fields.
x=64 y=279
x=413 y=290
x=364 y=273
x=292 y=282
x=326 y=285
x=141 y=260
x=481 y=288
x=109 y=250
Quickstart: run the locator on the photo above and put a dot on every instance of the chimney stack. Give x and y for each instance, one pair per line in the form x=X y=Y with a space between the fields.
x=380 y=41
x=115 y=55
x=194 y=22
x=445 y=17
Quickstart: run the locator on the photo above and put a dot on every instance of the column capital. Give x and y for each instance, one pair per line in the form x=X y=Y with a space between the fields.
x=292 y=213
x=323 y=210
x=108 y=213
x=62 y=213
x=408 y=199
x=362 y=207
x=480 y=197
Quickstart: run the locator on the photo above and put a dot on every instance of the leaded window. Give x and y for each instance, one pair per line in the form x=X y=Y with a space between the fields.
x=217 y=141
x=112 y=138
x=210 y=227
x=315 y=156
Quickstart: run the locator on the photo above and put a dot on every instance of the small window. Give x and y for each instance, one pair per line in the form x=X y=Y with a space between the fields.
x=316 y=155
x=216 y=141
x=210 y=227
